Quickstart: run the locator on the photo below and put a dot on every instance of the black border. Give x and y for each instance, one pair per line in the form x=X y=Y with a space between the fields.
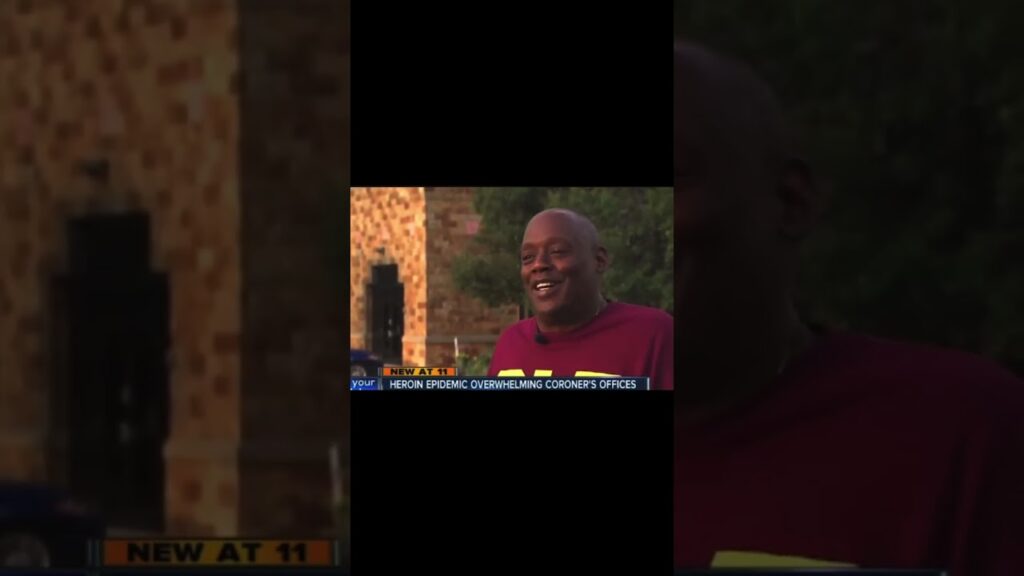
x=526 y=93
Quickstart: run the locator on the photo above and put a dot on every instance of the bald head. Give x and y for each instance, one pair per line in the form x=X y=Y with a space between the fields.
x=577 y=224
x=734 y=155
x=725 y=117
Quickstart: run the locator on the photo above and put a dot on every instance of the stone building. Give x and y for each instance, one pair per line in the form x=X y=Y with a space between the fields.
x=172 y=179
x=404 y=303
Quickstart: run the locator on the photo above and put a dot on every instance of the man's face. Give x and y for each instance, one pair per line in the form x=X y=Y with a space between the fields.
x=721 y=183
x=558 y=267
x=694 y=203
x=727 y=207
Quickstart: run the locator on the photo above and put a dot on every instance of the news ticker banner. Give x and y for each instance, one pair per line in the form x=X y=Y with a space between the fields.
x=215 y=553
x=447 y=378
x=810 y=572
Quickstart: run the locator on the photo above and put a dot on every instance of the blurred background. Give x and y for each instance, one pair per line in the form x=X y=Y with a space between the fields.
x=172 y=181
x=435 y=271
x=912 y=114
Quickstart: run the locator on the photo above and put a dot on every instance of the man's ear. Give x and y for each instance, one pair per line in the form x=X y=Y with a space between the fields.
x=801 y=198
x=603 y=259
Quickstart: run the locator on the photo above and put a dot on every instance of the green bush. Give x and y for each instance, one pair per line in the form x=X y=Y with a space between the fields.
x=475 y=365
x=912 y=119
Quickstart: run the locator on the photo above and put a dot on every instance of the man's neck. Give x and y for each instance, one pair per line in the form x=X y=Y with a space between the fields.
x=584 y=316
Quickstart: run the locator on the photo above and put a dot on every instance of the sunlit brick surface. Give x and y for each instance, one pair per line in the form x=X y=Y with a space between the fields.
x=421 y=230
x=243 y=179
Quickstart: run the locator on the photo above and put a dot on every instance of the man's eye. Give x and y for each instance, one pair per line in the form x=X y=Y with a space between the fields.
x=527 y=258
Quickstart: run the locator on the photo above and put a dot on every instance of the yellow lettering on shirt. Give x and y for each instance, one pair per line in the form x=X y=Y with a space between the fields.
x=547 y=373
x=737 y=559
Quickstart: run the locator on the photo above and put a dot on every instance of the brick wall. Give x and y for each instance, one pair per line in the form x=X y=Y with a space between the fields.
x=215 y=158
x=421 y=230
x=388 y=226
x=451 y=224
x=294 y=179
x=150 y=87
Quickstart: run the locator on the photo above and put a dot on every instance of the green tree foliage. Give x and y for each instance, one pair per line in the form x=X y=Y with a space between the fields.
x=488 y=270
x=635 y=225
x=913 y=115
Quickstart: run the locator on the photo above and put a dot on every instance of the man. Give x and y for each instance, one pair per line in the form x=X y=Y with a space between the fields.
x=575 y=330
x=797 y=448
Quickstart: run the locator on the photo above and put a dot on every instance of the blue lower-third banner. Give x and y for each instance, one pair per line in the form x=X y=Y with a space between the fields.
x=484 y=383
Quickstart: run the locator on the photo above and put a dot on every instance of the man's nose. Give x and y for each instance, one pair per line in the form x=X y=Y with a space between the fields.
x=541 y=262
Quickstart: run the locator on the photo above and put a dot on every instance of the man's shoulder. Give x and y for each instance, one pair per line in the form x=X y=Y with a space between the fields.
x=646 y=314
x=510 y=344
x=518 y=328
x=932 y=374
x=943 y=362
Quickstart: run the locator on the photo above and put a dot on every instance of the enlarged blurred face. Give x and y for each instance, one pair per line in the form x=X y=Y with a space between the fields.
x=694 y=203
x=558 y=267
x=727 y=210
x=721 y=183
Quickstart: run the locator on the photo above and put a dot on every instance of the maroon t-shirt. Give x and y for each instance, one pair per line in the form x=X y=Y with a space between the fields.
x=623 y=340
x=867 y=453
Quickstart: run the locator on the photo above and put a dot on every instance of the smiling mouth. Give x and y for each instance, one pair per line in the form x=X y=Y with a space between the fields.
x=545 y=286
